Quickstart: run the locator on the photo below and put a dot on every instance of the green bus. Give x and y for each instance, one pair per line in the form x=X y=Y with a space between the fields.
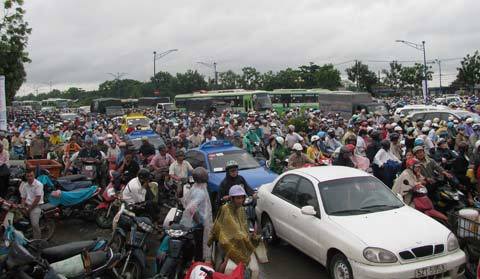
x=285 y=99
x=237 y=100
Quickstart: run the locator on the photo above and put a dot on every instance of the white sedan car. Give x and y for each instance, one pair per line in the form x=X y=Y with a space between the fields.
x=351 y=223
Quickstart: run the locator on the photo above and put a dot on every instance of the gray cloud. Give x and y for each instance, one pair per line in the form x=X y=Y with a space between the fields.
x=78 y=42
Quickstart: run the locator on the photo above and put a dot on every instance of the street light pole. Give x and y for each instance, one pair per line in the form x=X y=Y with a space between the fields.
x=158 y=56
x=439 y=62
x=154 y=63
x=420 y=47
x=214 y=67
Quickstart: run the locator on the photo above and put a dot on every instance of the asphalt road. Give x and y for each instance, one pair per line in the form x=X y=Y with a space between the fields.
x=285 y=261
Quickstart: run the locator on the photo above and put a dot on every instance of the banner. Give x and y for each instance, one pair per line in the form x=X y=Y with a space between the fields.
x=3 y=105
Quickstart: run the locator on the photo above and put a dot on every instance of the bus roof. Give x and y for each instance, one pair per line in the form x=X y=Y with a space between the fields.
x=299 y=90
x=233 y=92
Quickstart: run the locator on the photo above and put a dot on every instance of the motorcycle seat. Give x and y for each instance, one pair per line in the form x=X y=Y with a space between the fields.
x=72 y=178
x=65 y=251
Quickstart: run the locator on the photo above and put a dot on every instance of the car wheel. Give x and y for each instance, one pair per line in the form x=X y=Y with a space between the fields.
x=269 y=229
x=340 y=267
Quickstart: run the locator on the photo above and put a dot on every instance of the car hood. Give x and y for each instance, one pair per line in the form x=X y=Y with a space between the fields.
x=394 y=230
x=255 y=178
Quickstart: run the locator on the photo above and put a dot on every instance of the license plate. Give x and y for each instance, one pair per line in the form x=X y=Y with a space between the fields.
x=428 y=271
x=89 y=168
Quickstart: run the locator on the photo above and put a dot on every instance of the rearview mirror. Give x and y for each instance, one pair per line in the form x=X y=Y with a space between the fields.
x=308 y=210
x=262 y=163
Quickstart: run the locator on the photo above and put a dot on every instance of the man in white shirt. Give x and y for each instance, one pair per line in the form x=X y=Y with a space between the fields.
x=136 y=189
x=179 y=171
x=31 y=193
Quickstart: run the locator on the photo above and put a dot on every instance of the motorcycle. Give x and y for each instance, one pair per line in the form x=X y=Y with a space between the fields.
x=80 y=203
x=199 y=270
x=129 y=237
x=174 y=262
x=106 y=209
x=82 y=259
x=446 y=197
x=89 y=168
x=46 y=223
x=422 y=203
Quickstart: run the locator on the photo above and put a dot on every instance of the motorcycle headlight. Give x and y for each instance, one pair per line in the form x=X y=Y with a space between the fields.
x=379 y=255
x=110 y=192
x=452 y=243
x=145 y=227
x=175 y=233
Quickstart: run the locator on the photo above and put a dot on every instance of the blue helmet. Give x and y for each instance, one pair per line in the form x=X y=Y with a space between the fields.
x=322 y=134
x=418 y=142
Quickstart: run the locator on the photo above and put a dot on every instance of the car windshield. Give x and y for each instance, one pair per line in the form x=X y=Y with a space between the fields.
x=357 y=195
x=68 y=116
x=380 y=108
x=156 y=141
x=218 y=160
x=144 y=122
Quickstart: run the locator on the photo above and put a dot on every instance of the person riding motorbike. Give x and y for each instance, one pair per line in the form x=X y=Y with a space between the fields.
x=443 y=155
x=231 y=178
x=278 y=155
x=430 y=169
x=179 y=171
x=129 y=168
x=412 y=174
x=231 y=233
x=138 y=190
x=313 y=152
x=345 y=156
x=251 y=139
x=160 y=163
x=89 y=152
x=31 y=192
x=198 y=212
x=298 y=159
x=147 y=150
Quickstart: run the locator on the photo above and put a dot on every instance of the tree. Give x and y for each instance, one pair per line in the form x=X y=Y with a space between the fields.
x=469 y=71
x=393 y=76
x=228 y=80
x=327 y=77
x=269 y=81
x=189 y=82
x=360 y=74
x=308 y=74
x=413 y=76
x=14 y=33
x=288 y=78
x=250 y=78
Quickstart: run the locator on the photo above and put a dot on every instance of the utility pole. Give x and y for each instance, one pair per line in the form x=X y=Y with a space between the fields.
x=155 y=58
x=439 y=62
x=358 y=75
x=212 y=66
x=420 y=47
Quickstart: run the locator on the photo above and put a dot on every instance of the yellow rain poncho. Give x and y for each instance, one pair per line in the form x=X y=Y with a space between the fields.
x=230 y=231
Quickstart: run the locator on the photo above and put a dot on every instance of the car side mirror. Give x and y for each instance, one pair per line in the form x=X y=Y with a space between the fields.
x=308 y=210
x=262 y=163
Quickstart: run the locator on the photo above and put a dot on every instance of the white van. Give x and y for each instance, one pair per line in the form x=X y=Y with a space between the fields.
x=408 y=109
x=165 y=107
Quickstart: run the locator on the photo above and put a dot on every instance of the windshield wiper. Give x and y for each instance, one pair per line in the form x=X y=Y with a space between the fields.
x=351 y=211
x=387 y=206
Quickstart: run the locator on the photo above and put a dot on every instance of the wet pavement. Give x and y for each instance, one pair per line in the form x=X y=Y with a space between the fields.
x=285 y=261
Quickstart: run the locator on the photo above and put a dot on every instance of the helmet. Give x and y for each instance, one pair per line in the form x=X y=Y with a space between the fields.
x=236 y=191
x=469 y=120
x=291 y=127
x=418 y=142
x=297 y=146
x=180 y=153
x=425 y=129
x=280 y=140
x=231 y=164
x=436 y=120
x=314 y=138
x=200 y=175
x=330 y=131
x=417 y=148
x=143 y=173
x=321 y=134
x=398 y=129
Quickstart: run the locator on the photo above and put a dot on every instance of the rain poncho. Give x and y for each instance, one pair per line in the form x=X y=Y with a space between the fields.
x=230 y=230
x=198 y=211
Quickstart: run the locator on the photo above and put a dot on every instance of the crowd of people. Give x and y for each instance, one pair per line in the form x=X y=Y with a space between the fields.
x=393 y=151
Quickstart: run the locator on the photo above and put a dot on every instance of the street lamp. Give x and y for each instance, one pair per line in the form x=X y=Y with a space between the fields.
x=157 y=56
x=420 y=47
x=212 y=66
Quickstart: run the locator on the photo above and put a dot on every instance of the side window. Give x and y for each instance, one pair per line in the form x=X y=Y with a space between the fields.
x=196 y=159
x=306 y=194
x=286 y=188
x=418 y=116
x=444 y=116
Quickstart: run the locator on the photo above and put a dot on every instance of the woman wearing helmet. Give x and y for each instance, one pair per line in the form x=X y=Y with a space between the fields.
x=298 y=159
x=198 y=212
x=231 y=178
x=412 y=175
x=313 y=151
x=278 y=154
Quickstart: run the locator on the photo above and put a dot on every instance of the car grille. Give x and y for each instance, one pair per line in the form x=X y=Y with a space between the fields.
x=446 y=274
x=422 y=251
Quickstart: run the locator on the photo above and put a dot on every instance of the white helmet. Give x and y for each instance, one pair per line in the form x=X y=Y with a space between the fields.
x=314 y=138
x=280 y=140
x=427 y=123
x=425 y=129
x=398 y=129
x=297 y=146
x=436 y=120
x=469 y=120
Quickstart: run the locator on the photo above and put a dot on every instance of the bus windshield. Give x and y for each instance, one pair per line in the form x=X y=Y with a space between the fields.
x=262 y=101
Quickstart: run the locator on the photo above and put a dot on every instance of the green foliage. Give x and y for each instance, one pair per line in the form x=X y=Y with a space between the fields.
x=300 y=123
x=360 y=74
x=469 y=71
x=228 y=80
x=393 y=76
x=412 y=77
x=14 y=33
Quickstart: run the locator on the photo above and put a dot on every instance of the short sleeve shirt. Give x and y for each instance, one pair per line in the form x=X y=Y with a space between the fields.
x=30 y=191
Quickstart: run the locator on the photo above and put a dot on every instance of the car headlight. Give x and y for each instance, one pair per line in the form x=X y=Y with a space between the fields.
x=379 y=255
x=452 y=242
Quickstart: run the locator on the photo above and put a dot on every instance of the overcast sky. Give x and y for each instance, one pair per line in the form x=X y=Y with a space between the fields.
x=76 y=43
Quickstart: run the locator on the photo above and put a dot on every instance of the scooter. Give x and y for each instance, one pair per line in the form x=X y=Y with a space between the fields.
x=446 y=198
x=89 y=168
x=422 y=203
x=82 y=259
x=129 y=237
x=107 y=208
x=46 y=223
